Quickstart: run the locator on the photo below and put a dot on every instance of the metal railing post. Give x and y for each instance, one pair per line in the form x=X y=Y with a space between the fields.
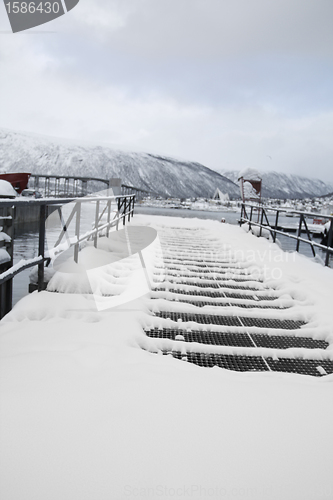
x=241 y=215
x=329 y=243
x=77 y=230
x=96 y=223
x=276 y=225
x=251 y=212
x=41 y=246
x=129 y=209
x=118 y=213
x=299 y=232
x=6 y=289
x=124 y=212
x=108 y=218
x=261 y=218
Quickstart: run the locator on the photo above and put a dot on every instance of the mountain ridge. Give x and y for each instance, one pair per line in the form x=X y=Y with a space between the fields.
x=287 y=186
x=21 y=151
x=168 y=176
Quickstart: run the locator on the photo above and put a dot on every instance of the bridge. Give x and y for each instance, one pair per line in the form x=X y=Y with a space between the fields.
x=62 y=186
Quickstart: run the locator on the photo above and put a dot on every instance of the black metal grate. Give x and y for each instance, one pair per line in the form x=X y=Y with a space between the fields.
x=228 y=361
x=216 y=285
x=237 y=339
x=205 y=319
x=312 y=367
x=316 y=368
x=212 y=270
x=231 y=295
x=200 y=303
x=194 y=279
x=201 y=262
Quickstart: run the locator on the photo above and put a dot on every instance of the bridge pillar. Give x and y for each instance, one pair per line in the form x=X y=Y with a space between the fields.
x=115 y=184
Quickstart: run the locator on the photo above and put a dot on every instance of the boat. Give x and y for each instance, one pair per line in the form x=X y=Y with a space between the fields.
x=19 y=180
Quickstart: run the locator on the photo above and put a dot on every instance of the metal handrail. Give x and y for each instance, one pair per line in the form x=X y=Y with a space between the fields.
x=287 y=210
x=261 y=212
x=125 y=208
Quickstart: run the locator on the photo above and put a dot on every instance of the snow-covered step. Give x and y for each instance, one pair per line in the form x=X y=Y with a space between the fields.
x=227 y=303
x=205 y=319
x=314 y=367
x=207 y=278
x=244 y=293
x=220 y=285
x=253 y=340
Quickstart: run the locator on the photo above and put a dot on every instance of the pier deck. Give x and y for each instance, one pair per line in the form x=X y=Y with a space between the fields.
x=216 y=383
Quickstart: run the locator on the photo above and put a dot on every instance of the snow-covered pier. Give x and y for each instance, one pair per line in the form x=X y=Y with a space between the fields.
x=201 y=367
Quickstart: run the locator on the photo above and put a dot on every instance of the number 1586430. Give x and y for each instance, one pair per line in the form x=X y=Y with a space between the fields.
x=32 y=7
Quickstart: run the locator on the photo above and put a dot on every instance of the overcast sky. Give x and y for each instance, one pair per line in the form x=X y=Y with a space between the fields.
x=228 y=83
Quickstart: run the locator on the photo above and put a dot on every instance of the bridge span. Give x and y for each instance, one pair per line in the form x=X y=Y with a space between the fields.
x=60 y=186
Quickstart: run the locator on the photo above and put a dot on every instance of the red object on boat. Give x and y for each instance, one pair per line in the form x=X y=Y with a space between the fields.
x=18 y=180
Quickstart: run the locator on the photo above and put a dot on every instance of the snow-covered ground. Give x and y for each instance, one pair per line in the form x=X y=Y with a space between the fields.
x=87 y=412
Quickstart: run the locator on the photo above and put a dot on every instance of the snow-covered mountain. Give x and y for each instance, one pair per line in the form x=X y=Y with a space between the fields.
x=279 y=185
x=25 y=152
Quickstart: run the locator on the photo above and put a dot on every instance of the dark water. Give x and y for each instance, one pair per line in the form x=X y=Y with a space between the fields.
x=26 y=239
x=25 y=247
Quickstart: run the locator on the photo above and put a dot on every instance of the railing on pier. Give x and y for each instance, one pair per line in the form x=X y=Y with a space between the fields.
x=257 y=215
x=104 y=220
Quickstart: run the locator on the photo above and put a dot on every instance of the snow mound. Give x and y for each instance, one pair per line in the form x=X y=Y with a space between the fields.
x=6 y=189
x=250 y=174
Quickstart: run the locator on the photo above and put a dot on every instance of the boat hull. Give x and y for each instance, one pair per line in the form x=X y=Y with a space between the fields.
x=19 y=180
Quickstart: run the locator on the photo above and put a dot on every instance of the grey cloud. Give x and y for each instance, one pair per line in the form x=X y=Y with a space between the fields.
x=211 y=28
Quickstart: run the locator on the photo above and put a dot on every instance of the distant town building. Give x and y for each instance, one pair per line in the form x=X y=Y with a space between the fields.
x=219 y=196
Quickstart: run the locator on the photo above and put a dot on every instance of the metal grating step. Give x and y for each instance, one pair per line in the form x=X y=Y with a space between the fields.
x=228 y=361
x=201 y=262
x=205 y=319
x=175 y=271
x=237 y=339
x=188 y=280
x=312 y=367
x=316 y=368
x=213 y=270
x=216 y=285
x=231 y=295
x=200 y=303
